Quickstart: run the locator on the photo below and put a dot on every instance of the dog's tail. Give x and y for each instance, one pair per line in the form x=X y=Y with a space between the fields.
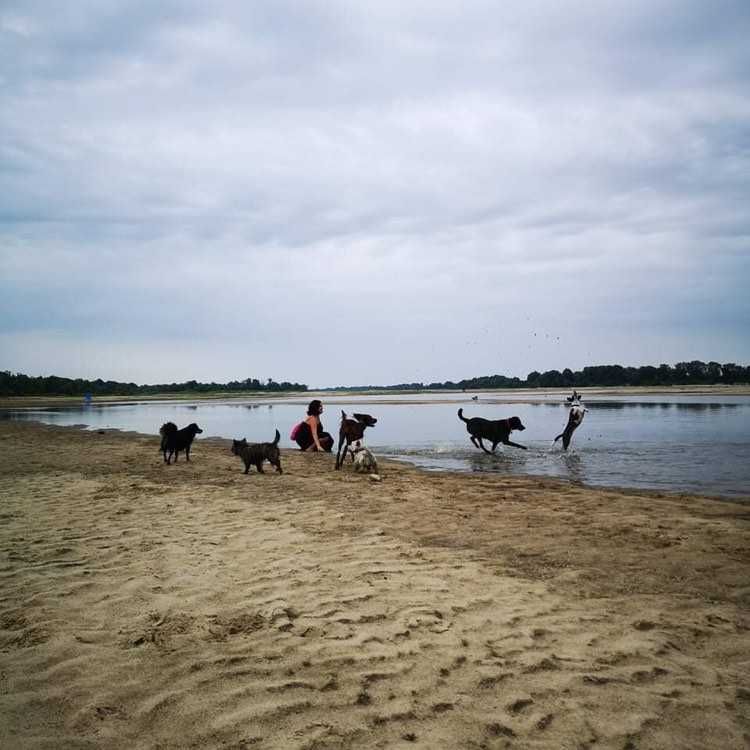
x=461 y=415
x=277 y=438
x=558 y=437
x=167 y=429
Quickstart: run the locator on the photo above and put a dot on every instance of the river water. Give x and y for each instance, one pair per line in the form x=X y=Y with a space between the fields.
x=679 y=443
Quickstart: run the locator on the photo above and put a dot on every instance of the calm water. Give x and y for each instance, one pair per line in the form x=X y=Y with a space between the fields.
x=679 y=443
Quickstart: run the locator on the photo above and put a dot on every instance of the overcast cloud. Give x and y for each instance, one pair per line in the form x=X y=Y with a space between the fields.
x=372 y=192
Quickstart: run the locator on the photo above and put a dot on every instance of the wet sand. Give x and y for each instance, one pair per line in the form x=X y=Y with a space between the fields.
x=497 y=395
x=191 y=606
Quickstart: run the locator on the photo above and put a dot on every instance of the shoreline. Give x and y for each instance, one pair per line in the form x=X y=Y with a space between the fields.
x=191 y=605
x=29 y=402
x=550 y=480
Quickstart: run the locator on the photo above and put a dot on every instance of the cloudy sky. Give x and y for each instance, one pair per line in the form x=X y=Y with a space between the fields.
x=347 y=193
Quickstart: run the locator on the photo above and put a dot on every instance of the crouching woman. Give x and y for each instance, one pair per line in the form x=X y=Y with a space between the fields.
x=309 y=433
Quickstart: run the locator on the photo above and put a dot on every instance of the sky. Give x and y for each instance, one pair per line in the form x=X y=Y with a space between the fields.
x=375 y=192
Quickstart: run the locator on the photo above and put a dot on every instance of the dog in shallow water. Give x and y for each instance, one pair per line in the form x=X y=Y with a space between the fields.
x=575 y=417
x=494 y=430
x=173 y=440
x=256 y=453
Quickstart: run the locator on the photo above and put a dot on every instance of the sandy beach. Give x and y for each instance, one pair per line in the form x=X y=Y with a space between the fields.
x=191 y=606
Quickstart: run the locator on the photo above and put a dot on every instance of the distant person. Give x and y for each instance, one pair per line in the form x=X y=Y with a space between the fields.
x=309 y=433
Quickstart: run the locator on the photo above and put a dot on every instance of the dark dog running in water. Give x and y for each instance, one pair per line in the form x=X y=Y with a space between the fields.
x=494 y=430
x=173 y=440
x=351 y=431
x=256 y=453
x=575 y=417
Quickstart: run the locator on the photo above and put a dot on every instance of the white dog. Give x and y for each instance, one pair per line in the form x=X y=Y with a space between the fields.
x=364 y=461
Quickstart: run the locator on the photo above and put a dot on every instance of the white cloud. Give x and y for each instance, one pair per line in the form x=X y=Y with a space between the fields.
x=210 y=181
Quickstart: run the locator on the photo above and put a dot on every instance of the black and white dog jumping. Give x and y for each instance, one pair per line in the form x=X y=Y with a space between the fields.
x=575 y=417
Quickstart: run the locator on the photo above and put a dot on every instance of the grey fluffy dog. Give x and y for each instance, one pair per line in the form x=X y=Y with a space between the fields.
x=364 y=461
x=256 y=453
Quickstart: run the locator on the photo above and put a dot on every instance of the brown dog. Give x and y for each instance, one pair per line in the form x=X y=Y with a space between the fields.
x=351 y=431
x=494 y=430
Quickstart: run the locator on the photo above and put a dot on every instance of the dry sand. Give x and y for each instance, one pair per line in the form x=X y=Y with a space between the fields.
x=190 y=606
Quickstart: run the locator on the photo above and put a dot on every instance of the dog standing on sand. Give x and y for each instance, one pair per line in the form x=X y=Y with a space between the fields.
x=173 y=440
x=364 y=461
x=494 y=430
x=351 y=432
x=255 y=453
x=575 y=417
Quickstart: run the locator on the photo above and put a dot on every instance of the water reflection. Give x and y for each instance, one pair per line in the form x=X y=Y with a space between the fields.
x=573 y=467
x=481 y=462
x=679 y=405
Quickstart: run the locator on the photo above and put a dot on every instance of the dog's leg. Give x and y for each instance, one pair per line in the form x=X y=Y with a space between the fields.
x=259 y=466
x=481 y=445
x=338 y=452
x=515 y=445
x=474 y=440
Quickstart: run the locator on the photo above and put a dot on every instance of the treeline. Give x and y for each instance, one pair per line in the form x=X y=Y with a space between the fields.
x=17 y=384
x=683 y=373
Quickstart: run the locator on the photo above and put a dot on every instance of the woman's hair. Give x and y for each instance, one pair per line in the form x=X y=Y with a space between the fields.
x=314 y=407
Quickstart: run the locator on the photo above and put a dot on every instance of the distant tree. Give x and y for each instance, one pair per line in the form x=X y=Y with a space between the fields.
x=532 y=379
x=713 y=372
x=551 y=379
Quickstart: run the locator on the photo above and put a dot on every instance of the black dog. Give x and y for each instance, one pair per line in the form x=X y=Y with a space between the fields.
x=173 y=440
x=256 y=453
x=494 y=430
x=351 y=431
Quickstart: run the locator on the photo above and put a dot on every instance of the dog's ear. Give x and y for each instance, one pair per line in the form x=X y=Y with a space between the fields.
x=343 y=415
